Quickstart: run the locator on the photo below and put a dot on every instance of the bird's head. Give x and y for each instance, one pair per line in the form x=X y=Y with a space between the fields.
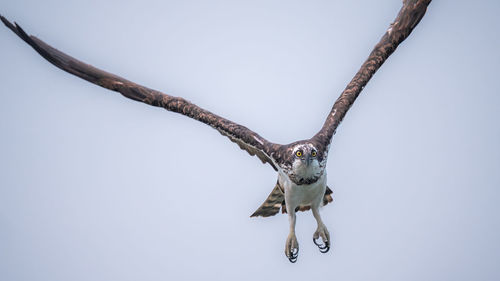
x=305 y=155
x=306 y=161
x=303 y=162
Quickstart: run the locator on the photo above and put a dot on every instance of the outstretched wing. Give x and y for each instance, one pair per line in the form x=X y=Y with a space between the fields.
x=409 y=16
x=244 y=137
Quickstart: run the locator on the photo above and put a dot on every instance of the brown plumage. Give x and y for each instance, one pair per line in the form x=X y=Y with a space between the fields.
x=408 y=17
x=245 y=138
x=301 y=165
x=271 y=153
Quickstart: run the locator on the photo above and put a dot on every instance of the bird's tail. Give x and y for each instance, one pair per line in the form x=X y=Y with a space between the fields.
x=276 y=200
x=273 y=203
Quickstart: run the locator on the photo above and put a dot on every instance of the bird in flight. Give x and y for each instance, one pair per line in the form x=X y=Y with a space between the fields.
x=301 y=165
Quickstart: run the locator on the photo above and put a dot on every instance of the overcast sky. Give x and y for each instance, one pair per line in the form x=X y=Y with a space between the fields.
x=94 y=186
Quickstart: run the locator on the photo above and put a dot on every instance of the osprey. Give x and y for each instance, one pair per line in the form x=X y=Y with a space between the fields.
x=302 y=178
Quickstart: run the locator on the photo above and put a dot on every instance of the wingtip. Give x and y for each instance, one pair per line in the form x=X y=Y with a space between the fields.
x=14 y=27
x=17 y=29
x=256 y=215
x=5 y=21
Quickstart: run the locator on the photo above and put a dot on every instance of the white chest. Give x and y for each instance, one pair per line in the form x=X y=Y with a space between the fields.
x=305 y=194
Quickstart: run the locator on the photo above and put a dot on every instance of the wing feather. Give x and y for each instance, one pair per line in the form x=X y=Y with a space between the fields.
x=244 y=137
x=408 y=17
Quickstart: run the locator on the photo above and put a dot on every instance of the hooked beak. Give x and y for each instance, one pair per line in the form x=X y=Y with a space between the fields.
x=307 y=160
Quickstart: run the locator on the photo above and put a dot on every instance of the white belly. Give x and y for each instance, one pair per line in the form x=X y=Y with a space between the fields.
x=305 y=194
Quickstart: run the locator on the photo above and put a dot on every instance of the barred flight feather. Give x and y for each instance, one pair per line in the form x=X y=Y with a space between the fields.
x=276 y=200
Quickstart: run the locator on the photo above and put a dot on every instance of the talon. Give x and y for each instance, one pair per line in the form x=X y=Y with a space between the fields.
x=294 y=254
x=292 y=248
x=323 y=248
x=293 y=257
x=316 y=243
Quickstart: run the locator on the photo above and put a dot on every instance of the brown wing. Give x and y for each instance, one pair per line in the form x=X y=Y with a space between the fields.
x=409 y=16
x=245 y=138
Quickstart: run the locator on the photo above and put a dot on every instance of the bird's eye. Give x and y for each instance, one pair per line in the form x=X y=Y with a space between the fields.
x=298 y=153
x=314 y=153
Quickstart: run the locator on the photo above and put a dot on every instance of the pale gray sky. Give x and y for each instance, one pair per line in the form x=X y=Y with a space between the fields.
x=97 y=187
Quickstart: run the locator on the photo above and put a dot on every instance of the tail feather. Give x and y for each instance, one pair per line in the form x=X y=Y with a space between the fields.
x=273 y=203
x=328 y=196
x=276 y=200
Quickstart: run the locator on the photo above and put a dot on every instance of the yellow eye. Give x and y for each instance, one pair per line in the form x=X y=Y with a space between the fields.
x=298 y=153
x=313 y=154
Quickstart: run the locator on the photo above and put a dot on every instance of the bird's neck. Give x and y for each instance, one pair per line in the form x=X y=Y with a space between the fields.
x=302 y=174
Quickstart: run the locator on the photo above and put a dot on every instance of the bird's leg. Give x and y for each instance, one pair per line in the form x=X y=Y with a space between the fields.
x=291 y=246
x=321 y=231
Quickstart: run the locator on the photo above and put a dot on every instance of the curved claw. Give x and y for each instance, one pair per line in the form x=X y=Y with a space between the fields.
x=323 y=248
x=316 y=243
x=294 y=255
